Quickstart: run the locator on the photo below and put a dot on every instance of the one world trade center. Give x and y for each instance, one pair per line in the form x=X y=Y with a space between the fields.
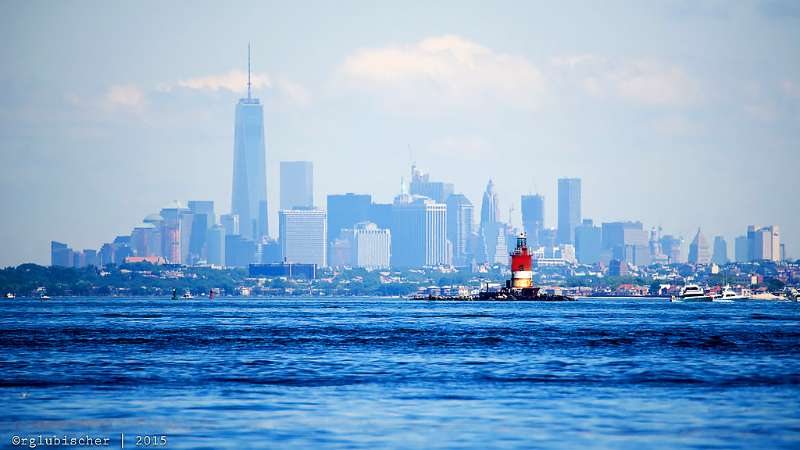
x=249 y=194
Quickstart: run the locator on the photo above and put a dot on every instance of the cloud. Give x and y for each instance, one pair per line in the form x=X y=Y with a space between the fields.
x=644 y=81
x=126 y=96
x=444 y=72
x=235 y=81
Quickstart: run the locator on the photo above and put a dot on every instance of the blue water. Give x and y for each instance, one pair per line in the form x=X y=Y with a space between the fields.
x=372 y=373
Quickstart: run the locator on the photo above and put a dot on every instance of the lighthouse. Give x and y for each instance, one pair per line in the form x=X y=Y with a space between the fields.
x=521 y=274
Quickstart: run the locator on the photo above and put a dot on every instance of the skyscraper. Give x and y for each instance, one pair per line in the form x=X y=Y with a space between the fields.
x=741 y=251
x=460 y=228
x=627 y=242
x=569 y=209
x=297 y=184
x=698 y=250
x=764 y=243
x=346 y=210
x=249 y=164
x=419 y=232
x=533 y=218
x=492 y=232
x=421 y=184
x=588 y=242
x=303 y=236
x=720 y=254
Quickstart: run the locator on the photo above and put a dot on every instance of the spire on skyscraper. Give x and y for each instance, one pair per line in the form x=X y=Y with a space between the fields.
x=248 y=72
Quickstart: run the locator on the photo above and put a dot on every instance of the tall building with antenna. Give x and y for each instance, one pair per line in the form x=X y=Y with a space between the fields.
x=249 y=193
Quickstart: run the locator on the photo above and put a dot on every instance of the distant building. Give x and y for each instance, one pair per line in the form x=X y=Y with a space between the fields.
x=365 y=245
x=617 y=268
x=174 y=231
x=205 y=207
x=380 y=214
x=627 y=242
x=303 y=236
x=239 y=251
x=90 y=257
x=61 y=255
x=288 y=270
x=699 y=252
x=588 y=242
x=215 y=245
x=249 y=166
x=569 y=209
x=106 y=255
x=460 y=224
x=492 y=232
x=297 y=185
x=720 y=252
x=764 y=243
x=230 y=222
x=422 y=185
x=673 y=248
x=146 y=240
x=533 y=218
x=741 y=249
x=419 y=232
x=270 y=252
x=346 y=210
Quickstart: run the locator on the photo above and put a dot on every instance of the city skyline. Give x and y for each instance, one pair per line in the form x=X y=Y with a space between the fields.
x=117 y=147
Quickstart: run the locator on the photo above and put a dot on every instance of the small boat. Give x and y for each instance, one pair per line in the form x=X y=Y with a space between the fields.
x=692 y=293
x=10 y=296
x=44 y=297
x=187 y=295
x=729 y=295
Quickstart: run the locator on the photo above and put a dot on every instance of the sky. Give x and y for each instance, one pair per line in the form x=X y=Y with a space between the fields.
x=680 y=114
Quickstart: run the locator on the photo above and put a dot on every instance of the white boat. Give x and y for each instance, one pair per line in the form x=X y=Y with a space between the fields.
x=10 y=296
x=729 y=295
x=692 y=293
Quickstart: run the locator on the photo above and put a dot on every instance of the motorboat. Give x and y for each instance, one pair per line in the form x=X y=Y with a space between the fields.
x=692 y=293
x=10 y=296
x=729 y=295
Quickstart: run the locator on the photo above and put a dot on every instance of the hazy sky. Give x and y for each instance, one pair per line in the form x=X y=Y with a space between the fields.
x=680 y=114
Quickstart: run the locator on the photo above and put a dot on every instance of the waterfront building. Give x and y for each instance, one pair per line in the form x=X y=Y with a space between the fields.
x=720 y=252
x=533 y=218
x=249 y=164
x=460 y=224
x=699 y=253
x=588 y=242
x=569 y=209
x=215 y=245
x=741 y=250
x=297 y=185
x=346 y=210
x=419 y=232
x=288 y=270
x=303 y=236
x=422 y=185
